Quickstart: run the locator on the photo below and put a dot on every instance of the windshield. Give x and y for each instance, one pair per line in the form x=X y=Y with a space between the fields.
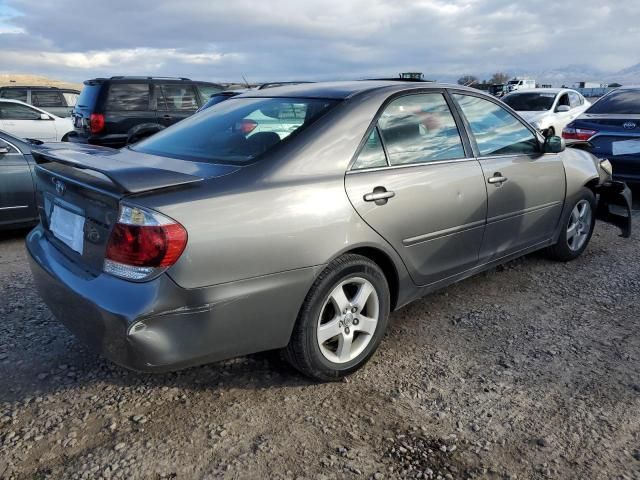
x=530 y=102
x=235 y=131
x=621 y=102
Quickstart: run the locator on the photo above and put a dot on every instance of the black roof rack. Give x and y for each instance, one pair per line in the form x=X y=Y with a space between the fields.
x=120 y=77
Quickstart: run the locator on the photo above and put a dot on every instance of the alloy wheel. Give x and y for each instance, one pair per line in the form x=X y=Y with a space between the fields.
x=579 y=225
x=348 y=320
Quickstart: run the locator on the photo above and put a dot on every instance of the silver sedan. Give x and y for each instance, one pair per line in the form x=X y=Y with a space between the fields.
x=298 y=218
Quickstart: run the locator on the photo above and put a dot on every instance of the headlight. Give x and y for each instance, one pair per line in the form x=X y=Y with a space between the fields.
x=605 y=165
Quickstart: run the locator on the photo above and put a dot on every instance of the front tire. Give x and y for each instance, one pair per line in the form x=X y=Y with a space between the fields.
x=577 y=223
x=342 y=320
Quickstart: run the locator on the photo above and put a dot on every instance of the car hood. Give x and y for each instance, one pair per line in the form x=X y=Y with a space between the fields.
x=534 y=116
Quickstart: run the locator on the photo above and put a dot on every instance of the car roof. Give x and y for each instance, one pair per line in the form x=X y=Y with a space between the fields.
x=17 y=141
x=345 y=89
x=37 y=87
x=544 y=90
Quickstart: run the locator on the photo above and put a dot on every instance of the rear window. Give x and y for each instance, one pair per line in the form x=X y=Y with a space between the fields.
x=14 y=94
x=236 y=131
x=128 y=97
x=88 y=96
x=624 y=102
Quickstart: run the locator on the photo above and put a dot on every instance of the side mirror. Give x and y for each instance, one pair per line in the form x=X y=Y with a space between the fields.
x=4 y=150
x=44 y=116
x=554 y=144
x=563 y=108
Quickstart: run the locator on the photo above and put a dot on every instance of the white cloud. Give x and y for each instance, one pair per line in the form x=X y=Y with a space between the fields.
x=316 y=39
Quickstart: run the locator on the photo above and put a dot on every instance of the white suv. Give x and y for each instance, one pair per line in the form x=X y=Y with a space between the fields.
x=27 y=121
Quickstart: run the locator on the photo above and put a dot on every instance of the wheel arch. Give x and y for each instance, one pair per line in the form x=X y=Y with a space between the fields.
x=386 y=264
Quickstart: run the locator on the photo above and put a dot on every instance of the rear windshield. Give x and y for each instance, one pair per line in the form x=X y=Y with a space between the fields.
x=625 y=102
x=235 y=131
x=530 y=102
x=88 y=96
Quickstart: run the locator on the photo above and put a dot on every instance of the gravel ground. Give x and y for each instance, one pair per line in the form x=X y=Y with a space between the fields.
x=531 y=370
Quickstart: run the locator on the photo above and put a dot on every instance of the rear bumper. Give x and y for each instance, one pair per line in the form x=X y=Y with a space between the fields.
x=159 y=326
x=614 y=205
x=112 y=141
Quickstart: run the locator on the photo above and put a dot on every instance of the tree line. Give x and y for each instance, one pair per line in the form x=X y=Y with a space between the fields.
x=497 y=78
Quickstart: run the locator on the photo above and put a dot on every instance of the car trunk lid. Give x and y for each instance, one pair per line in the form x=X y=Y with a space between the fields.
x=79 y=189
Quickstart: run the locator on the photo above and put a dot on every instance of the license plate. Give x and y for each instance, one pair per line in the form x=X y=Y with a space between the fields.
x=626 y=147
x=68 y=227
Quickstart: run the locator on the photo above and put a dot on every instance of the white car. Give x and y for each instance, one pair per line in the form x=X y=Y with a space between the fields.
x=27 y=121
x=548 y=109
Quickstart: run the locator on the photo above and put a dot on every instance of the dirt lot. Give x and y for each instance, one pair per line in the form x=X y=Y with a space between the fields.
x=528 y=371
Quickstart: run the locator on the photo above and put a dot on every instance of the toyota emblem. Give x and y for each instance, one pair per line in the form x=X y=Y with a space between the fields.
x=629 y=125
x=60 y=187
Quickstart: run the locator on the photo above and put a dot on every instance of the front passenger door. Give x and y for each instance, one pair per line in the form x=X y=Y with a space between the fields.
x=525 y=187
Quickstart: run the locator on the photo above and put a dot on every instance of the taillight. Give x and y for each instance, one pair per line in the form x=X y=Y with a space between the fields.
x=571 y=133
x=246 y=126
x=96 y=123
x=143 y=243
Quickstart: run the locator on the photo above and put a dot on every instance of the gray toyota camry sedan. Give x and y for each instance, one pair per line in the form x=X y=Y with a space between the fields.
x=299 y=217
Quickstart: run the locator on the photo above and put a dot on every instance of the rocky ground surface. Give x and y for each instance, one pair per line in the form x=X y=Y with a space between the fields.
x=528 y=371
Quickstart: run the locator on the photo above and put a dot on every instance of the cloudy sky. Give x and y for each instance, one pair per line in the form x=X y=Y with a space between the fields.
x=286 y=39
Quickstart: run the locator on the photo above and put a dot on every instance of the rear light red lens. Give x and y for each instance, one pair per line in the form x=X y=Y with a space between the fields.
x=96 y=123
x=157 y=246
x=570 y=133
x=246 y=126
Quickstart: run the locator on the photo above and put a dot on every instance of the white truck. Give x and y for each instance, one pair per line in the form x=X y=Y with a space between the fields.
x=521 y=84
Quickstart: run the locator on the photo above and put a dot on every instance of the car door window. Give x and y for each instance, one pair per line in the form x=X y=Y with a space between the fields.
x=45 y=99
x=418 y=129
x=574 y=100
x=177 y=97
x=15 y=111
x=70 y=98
x=207 y=90
x=496 y=130
x=372 y=154
x=128 y=97
x=563 y=100
x=14 y=94
x=11 y=148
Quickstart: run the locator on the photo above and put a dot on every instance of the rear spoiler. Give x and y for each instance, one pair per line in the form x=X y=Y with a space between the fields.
x=127 y=177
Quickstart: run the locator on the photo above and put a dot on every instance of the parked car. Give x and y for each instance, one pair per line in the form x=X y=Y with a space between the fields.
x=117 y=111
x=17 y=190
x=499 y=90
x=206 y=241
x=59 y=101
x=548 y=109
x=27 y=121
x=612 y=127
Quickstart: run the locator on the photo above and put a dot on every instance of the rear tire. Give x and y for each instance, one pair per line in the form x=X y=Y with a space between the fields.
x=577 y=225
x=342 y=320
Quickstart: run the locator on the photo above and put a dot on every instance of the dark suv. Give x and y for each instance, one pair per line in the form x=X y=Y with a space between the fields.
x=59 y=101
x=117 y=111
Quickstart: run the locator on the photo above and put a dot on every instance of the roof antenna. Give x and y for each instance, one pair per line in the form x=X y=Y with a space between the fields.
x=245 y=81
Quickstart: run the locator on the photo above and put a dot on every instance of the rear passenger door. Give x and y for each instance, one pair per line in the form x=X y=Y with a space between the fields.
x=176 y=101
x=525 y=187
x=417 y=184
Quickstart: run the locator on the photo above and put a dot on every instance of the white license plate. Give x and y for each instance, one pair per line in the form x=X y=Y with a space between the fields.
x=68 y=227
x=626 y=147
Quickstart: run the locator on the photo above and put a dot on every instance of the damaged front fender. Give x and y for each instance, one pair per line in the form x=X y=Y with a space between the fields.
x=617 y=195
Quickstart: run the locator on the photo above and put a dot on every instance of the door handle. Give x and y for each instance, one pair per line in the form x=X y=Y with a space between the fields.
x=497 y=179
x=380 y=195
x=167 y=117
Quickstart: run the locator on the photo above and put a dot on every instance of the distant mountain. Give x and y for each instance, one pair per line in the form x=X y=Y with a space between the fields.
x=27 y=79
